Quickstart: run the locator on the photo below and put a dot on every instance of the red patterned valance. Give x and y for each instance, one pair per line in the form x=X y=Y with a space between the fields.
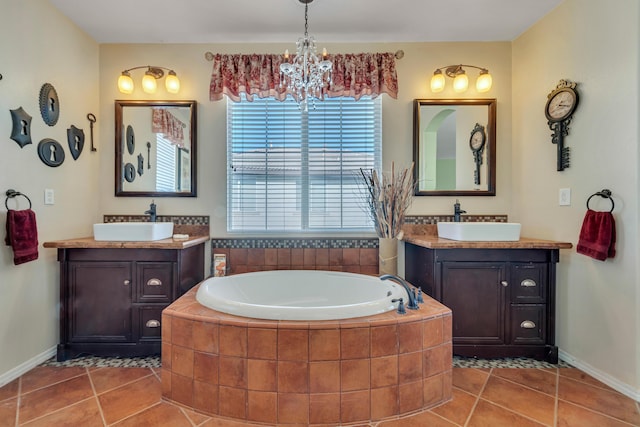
x=162 y=121
x=353 y=75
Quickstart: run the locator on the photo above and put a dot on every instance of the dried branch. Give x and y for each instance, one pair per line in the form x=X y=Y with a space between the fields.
x=387 y=198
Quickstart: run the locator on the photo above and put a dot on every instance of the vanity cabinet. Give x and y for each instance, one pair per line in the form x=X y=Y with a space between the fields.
x=502 y=300
x=112 y=298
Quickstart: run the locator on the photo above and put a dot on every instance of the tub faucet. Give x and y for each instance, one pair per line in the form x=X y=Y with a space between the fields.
x=153 y=216
x=457 y=211
x=412 y=304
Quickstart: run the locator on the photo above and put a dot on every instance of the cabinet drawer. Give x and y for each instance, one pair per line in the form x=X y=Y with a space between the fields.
x=154 y=282
x=149 y=322
x=528 y=324
x=528 y=283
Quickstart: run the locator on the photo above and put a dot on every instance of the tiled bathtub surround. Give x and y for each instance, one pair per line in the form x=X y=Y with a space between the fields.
x=306 y=373
x=248 y=255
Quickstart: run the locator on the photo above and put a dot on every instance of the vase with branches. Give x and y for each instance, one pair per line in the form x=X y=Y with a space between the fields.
x=387 y=199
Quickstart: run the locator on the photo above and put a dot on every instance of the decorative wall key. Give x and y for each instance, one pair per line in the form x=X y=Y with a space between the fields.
x=561 y=103
x=92 y=120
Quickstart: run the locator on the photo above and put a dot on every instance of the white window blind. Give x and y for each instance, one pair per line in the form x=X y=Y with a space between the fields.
x=166 y=164
x=290 y=170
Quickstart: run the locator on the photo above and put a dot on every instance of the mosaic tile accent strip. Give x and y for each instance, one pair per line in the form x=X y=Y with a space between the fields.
x=154 y=362
x=301 y=243
x=176 y=219
x=434 y=219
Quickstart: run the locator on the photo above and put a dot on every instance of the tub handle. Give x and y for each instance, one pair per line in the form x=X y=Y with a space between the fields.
x=153 y=323
x=527 y=324
x=154 y=282
x=401 y=309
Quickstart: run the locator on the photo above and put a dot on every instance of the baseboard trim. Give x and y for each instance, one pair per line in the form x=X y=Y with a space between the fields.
x=25 y=367
x=614 y=383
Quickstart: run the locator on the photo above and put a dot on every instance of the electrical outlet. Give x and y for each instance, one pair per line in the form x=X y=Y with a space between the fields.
x=564 y=197
x=49 y=197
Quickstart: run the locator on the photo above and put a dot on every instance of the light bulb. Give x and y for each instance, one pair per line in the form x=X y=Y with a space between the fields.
x=125 y=82
x=149 y=84
x=461 y=82
x=484 y=82
x=172 y=83
x=437 y=82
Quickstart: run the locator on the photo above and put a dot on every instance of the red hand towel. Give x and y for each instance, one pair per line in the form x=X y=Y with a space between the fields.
x=598 y=235
x=22 y=235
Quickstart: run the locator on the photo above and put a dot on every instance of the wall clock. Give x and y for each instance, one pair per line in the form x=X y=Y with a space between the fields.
x=476 y=143
x=559 y=109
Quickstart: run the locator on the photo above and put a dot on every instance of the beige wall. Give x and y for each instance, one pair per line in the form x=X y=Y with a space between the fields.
x=39 y=45
x=595 y=44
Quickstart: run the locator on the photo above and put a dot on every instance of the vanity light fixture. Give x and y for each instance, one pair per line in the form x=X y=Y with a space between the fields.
x=149 y=83
x=460 y=79
x=306 y=75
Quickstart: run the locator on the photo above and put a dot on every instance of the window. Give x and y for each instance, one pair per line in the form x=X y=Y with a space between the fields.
x=290 y=170
x=166 y=164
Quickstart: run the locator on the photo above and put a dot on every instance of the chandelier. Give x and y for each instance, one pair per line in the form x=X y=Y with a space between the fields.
x=306 y=75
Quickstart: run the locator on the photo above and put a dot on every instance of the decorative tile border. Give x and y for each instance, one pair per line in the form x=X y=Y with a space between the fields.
x=433 y=219
x=176 y=219
x=301 y=243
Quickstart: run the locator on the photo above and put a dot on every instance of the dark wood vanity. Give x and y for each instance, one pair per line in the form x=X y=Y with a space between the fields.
x=502 y=294
x=112 y=293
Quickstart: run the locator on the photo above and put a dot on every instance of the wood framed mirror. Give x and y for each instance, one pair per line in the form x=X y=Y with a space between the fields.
x=155 y=148
x=447 y=161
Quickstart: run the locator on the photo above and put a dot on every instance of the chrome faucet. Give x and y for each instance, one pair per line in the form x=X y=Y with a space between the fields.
x=153 y=215
x=457 y=211
x=413 y=302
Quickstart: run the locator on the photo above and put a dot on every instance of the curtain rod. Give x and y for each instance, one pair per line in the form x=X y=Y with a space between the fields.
x=399 y=55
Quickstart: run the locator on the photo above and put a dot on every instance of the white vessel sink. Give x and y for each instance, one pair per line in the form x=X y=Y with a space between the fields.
x=133 y=231
x=479 y=231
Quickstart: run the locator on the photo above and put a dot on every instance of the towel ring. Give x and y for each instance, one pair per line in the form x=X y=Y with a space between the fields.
x=605 y=194
x=13 y=193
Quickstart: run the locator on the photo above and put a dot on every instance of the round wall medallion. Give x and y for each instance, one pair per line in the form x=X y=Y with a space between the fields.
x=50 y=152
x=49 y=104
x=129 y=172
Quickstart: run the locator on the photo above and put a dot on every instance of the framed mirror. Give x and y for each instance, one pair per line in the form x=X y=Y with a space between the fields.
x=454 y=147
x=155 y=148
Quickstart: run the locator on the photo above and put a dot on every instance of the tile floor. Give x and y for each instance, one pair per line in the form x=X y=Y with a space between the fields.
x=131 y=396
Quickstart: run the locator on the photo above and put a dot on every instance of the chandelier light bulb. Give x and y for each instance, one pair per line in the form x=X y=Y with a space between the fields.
x=437 y=82
x=460 y=82
x=149 y=84
x=172 y=83
x=484 y=82
x=125 y=83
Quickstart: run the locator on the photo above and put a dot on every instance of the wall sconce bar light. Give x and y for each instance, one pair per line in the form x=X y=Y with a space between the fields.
x=149 y=84
x=460 y=79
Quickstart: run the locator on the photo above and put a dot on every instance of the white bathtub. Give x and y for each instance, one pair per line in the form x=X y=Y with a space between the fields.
x=300 y=295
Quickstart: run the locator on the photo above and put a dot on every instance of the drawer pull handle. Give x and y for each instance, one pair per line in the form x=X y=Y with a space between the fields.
x=504 y=283
x=528 y=283
x=153 y=323
x=154 y=282
x=127 y=282
x=527 y=324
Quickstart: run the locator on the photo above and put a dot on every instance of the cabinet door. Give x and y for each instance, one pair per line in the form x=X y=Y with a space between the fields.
x=475 y=293
x=154 y=282
x=100 y=297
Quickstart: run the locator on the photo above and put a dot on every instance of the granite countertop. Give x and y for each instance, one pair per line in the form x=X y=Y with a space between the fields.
x=91 y=243
x=427 y=237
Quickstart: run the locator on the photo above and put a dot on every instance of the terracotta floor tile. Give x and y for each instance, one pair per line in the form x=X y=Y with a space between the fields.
x=195 y=417
x=469 y=379
x=458 y=409
x=124 y=401
x=597 y=399
x=162 y=414
x=105 y=379
x=570 y=415
x=57 y=396
x=537 y=379
x=42 y=376
x=533 y=404
x=487 y=414
x=424 y=419
x=577 y=374
x=221 y=422
x=8 y=409
x=10 y=391
x=85 y=414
